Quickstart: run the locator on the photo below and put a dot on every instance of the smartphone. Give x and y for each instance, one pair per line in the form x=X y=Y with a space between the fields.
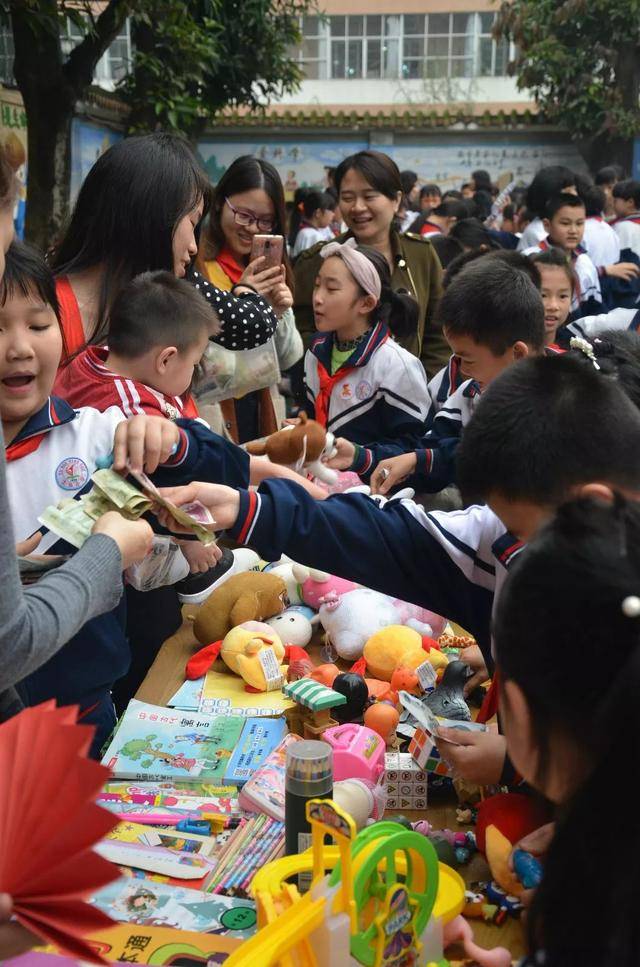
x=269 y=246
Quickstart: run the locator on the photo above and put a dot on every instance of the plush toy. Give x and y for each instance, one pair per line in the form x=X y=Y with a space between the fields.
x=252 y=596
x=397 y=646
x=318 y=587
x=300 y=447
x=295 y=625
x=354 y=618
x=241 y=647
x=421 y=620
x=284 y=569
x=502 y=821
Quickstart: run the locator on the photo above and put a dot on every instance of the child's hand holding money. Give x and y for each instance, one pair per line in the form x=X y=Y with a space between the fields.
x=133 y=537
x=144 y=442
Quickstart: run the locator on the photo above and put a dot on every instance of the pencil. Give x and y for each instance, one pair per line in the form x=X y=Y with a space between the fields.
x=249 y=859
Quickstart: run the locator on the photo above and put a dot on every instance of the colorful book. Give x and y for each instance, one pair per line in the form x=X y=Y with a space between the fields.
x=264 y=792
x=159 y=743
x=161 y=946
x=188 y=695
x=259 y=738
x=149 y=903
x=204 y=798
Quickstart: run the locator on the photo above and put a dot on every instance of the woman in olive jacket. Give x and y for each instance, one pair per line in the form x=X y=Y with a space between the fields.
x=370 y=191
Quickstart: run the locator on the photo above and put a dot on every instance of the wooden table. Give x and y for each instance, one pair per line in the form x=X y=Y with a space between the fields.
x=167 y=674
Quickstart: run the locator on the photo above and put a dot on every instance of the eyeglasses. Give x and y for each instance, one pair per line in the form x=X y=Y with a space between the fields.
x=243 y=217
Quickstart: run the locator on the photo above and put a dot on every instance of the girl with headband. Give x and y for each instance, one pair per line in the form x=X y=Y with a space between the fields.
x=360 y=384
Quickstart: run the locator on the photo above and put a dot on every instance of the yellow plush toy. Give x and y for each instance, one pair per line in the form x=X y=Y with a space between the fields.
x=241 y=647
x=252 y=596
x=398 y=645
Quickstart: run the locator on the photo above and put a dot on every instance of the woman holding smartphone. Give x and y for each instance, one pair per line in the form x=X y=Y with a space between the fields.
x=244 y=243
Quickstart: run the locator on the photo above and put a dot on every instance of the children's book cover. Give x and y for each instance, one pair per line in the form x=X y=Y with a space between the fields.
x=162 y=946
x=187 y=796
x=188 y=695
x=224 y=694
x=259 y=738
x=157 y=743
x=152 y=904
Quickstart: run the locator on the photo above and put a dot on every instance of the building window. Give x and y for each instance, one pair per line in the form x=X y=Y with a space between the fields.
x=408 y=46
x=6 y=56
x=115 y=62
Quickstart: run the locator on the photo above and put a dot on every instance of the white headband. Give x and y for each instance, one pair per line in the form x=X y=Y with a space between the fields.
x=363 y=271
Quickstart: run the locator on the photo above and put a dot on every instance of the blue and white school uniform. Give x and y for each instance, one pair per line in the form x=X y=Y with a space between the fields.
x=628 y=231
x=600 y=242
x=379 y=393
x=587 y=297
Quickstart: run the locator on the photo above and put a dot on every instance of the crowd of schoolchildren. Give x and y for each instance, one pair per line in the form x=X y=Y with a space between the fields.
x=480 y=348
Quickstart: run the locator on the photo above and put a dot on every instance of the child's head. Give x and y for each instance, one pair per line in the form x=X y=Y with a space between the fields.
x=626 y=197
x=448 y=213
x=547 y=429
x=557 y=284
x=447 y=248
x=430 y=196
x=564 y=220
x=319 y=208
x=159 y=328
x=567 y=636
x=594 y=200
x=617 y=353
x=471 y=233
x=492 y=315
x=548 y=182
x=31 y=341
x=353 y=291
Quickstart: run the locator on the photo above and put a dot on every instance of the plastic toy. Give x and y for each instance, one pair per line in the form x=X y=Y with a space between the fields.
x=295 y=625
x=300 y=447
x=310 y=717
x=498 y=850
x=252 y=596
x=325 y=674
x=383 y=719
x=527 y=868
x=358 y=753
x=398 y=646
x=360 y=800
x=355 y=690
x=319 y=587
x=447 y=699
x=386 y=892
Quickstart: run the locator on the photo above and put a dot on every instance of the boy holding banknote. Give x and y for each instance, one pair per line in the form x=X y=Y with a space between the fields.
x=52 y=450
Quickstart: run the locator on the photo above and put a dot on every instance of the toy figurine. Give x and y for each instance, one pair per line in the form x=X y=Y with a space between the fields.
x=447 y=699
x=354 y=688
x=383 y=719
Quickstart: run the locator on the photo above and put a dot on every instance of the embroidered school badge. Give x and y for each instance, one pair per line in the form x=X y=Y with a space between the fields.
x=363 y=390
x=72 y=473
x=345 y=392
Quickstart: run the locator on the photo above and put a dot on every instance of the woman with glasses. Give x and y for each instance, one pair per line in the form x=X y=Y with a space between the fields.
x=248 y=201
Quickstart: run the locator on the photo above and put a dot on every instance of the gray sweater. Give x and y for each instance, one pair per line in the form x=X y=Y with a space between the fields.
x=36 y=621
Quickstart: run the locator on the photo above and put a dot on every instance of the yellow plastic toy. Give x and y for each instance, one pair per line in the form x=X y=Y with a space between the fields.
x=398 y=645
x=386 y=886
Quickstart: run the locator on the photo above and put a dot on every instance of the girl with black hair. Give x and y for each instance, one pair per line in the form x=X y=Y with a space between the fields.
x=567 y=639
x=318 y=208
x=369 y=195
x=139 y=210
x=360 y=383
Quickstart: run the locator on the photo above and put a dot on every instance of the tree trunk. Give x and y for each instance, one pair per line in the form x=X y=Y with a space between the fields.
x=602 y=151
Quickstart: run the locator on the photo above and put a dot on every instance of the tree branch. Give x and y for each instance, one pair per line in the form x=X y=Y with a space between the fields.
x=82 y=60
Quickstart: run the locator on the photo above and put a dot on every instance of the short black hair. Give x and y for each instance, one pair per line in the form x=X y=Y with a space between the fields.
x=549 y=181
x=564 y=200
x=617 y=352
x=557 y=258
x=447 y=248
x=27 y=273
x=157 y=309
x=430 y=190
x=609 y=175
x=495 y=304
x=452 y=193
x=408 y=179
x=594 y=200
x=544 y=426
x=451 y=208
x=472 y=233
x=628 y=190
x=510 y=257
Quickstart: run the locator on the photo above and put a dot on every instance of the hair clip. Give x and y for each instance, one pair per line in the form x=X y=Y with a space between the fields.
x=631 y=606
x=577 y=342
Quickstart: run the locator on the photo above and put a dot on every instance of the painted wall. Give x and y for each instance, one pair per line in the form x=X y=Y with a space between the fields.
x=367 y=92
x=89 y=140
x=447 y=161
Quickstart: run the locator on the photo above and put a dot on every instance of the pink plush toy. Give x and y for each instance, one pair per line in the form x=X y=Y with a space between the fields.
x=320 y=588
x=417 y=618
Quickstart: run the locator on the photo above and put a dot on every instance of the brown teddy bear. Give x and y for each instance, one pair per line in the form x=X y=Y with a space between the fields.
x=253 y=596
x=300 y=447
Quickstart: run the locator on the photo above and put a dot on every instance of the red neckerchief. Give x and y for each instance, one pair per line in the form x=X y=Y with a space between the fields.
x=17 y=450
x=327 y=382
x=31 y=435
x=229 y=265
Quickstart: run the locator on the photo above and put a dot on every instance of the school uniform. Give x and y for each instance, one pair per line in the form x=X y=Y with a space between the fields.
x=628 y=231
x=451 y=563
x=309 y=235
x=587 y=297
x=532 y=235
x=589 y=327
x=52 y=459
x=444 y=383
x=600 y=242
x=378 y=393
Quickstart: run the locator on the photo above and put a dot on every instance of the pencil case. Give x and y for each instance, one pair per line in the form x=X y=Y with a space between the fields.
x=264 y=792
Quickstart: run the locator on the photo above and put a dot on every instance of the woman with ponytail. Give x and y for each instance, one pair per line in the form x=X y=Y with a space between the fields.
x=567 y=639
x=317 y=211
x=360 y=383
